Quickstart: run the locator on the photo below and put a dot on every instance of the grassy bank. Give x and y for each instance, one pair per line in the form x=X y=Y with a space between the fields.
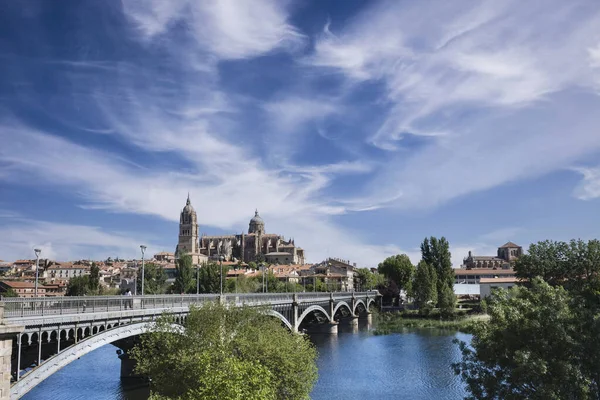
x=397 y=322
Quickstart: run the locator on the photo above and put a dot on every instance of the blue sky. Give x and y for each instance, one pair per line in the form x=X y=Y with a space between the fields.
x=356 y=127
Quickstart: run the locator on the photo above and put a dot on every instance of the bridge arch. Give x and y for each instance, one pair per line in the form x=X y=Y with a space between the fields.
x=60 y=360
x=340 y=305
x=280 y=316
x=369 y=302
x=310 y=310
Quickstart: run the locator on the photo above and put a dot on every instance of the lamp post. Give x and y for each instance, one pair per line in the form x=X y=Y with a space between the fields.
x=221 y=259
x=37 y=268
x=197 y=278
x=143 y=248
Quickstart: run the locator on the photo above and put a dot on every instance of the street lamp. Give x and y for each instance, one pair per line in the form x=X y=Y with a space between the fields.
x=197 y=278
x=221 y=259
x=37 y=268
x=143 y=248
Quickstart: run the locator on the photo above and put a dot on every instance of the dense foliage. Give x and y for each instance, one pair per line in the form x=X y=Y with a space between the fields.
x=424 y=286
x=436 y=253
x=210 y=278
x=541 y=341
x=155 y=279
x=398 y=269
x=185 y=281
x=226 y=353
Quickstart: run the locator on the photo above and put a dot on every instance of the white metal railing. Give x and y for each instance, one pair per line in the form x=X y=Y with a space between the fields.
x=17 y=307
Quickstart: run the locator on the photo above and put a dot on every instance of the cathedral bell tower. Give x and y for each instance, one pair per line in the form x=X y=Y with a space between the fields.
x=188 y=230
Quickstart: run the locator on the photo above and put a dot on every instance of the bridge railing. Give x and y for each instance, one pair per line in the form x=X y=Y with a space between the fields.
x=17 y=307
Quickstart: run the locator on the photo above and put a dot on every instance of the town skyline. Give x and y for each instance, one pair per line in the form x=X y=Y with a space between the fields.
x=356 y=133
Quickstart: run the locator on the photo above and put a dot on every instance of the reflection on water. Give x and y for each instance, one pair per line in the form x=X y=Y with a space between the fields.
x=353 y=364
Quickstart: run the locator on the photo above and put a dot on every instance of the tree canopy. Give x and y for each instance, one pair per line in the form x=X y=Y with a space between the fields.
x=398 y=269
x=210 y=278
x=184 y=281
x=424 y=286
x=155 y=279
x=541 y=341
x=226 y=353
x=78 y=286
x=436 y=253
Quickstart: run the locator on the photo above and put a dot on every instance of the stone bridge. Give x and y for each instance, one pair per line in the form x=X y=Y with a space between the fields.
x=39 y=336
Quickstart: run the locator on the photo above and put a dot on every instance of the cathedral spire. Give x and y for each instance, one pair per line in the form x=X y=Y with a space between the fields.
x=188 y=202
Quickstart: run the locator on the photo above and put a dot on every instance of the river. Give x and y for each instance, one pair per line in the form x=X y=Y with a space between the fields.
x=352 y=365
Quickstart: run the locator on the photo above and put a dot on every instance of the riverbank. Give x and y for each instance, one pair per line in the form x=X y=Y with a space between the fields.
x=396 y=322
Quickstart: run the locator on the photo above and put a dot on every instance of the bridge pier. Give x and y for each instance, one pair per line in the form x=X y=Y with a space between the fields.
x=127 y=363
x=128 y=367
x=7 y=334
x=328 y=328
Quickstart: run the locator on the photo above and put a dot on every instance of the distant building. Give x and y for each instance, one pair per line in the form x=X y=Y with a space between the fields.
x=22 y=289
x=333 y=271
x=506 y=256
x=165 y=256
x=66 y=271
x=245 y=247
x=487 y=285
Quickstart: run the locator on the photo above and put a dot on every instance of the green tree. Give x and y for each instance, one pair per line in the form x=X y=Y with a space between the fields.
x=10 y=293
x=185 y=279
x=155 y=279
x=424 y=286
x=226 y=353
x=210 y=278
x=398 y=269
x=531 y=348
x=447 y=302
x=436 y=253
x=363 y=279
x=94 y=281
x=78 y=286
x=574 y=265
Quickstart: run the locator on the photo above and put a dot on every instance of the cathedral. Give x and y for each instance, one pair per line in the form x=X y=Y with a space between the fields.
x=253 y=246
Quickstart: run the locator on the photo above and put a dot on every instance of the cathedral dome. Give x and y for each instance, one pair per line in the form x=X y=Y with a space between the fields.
x=257 y=225
x=257 y=219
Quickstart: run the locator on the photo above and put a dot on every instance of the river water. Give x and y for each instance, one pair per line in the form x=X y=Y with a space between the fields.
x=353 y=365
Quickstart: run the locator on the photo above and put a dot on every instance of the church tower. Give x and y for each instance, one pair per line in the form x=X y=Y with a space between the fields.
x=188 y=230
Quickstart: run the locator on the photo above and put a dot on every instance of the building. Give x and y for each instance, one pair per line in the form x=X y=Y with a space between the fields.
x=506 y=256
x=165 y=256
x=334 y=271
x=22 y=289
x=245 y=247
x=66 y=270
x=487 y=285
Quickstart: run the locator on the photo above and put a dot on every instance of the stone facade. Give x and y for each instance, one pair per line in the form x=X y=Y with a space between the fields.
x=507 y=254
x=8 y=333
x=188 y=234
x=246 y=247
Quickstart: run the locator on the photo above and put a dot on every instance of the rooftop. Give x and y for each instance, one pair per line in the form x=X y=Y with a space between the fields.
x=483 y=271
x=509 y=245
x=500 y=280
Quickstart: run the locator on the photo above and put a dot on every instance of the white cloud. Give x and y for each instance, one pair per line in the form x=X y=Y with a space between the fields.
x=502 y=91
x=64 y=242
x=594 y=53
x=589 y=187
x=226 y=200
x=229 y=29
x=434 y=57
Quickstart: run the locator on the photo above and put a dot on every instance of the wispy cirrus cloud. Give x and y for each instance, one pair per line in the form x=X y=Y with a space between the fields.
x=63 y=241
x=495 y=86
x=589 y=187
x=228 y=29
